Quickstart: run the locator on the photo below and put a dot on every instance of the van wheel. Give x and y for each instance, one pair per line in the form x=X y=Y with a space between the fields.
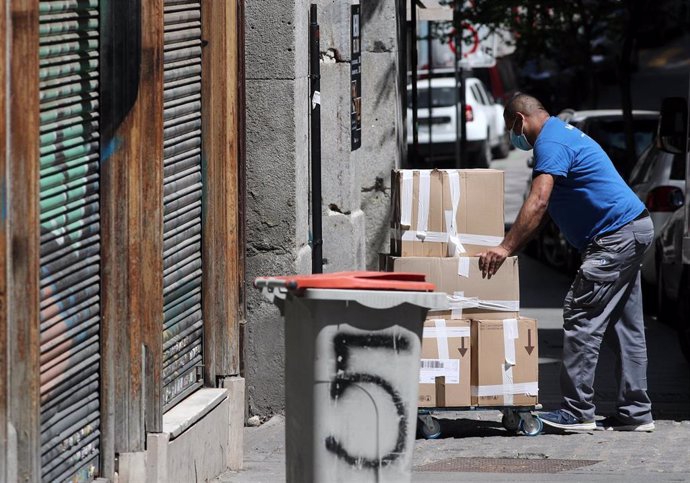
x=503 y=149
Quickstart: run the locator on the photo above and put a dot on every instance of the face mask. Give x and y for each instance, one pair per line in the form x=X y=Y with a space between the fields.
x=520 y=141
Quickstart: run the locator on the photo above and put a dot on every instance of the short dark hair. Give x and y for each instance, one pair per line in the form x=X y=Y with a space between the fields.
x=523 y=103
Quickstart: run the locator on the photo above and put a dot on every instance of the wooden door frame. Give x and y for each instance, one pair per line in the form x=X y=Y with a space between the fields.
x=223 y=247
x=131 y=221
x=22 y=228
x=132 y=272
x=4 y=255
x=131 y=225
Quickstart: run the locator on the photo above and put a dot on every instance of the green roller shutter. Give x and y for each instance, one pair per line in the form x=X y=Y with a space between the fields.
x=183 y=326
x=70 y=320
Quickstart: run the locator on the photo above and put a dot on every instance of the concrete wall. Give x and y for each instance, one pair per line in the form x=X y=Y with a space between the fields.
x=277 y=204
x=382 y=125
x=343 y=220
x=355 y=185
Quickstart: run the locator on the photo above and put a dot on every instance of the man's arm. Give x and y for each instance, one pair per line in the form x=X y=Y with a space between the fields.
x=525 y=227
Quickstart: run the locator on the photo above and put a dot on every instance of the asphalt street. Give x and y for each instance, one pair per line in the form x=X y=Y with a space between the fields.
x=474 y=445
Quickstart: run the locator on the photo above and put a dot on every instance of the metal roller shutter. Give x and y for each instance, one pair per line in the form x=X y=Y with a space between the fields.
x=183 y=326
x=70 y=240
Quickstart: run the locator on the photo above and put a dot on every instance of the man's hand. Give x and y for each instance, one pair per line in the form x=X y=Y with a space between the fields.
x=525 y=226
x=491 y=260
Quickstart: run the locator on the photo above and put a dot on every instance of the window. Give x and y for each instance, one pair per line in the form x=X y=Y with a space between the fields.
x=643 y=168
x=478 y=94
x=475 y=93
x=610 y=134
x=440 y=97
x=483 y=94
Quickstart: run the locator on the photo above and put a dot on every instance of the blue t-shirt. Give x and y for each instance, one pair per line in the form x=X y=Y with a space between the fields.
x=589 y=197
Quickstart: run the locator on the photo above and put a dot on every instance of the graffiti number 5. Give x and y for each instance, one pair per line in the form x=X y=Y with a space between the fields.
x=343 y=344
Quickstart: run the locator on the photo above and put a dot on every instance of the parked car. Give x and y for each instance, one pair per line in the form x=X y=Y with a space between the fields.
x=437 y=126
x=605 y=126
x=672 y=247
x=657 y=179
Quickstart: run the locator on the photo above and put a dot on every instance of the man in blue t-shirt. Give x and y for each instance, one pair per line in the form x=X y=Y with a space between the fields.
x=596 y=211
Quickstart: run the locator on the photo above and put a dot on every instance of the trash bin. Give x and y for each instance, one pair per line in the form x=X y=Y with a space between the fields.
x=352 y=352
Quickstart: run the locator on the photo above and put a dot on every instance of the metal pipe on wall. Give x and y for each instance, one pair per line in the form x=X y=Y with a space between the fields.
x=413 y=70
x=430 y=99
x=315 y=139
x=460 y=112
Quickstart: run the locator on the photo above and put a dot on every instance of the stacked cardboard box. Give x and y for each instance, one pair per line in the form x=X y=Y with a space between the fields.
x=505 y=361
x=438 y=213
x=480 y=352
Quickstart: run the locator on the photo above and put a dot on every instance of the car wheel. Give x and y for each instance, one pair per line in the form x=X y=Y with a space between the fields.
x=554 y=248
x=683 y=315
x=503 y=149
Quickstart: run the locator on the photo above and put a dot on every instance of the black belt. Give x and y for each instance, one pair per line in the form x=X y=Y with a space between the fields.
x=643 y=214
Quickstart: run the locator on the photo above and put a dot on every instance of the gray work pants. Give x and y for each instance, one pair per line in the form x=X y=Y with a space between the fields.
x=605 y=303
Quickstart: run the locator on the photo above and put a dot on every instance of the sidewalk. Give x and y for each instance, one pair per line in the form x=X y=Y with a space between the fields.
x=610 y=456
x=475 y=447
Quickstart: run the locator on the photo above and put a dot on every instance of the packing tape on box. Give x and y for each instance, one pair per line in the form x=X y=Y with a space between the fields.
x=464 y=267
x=457 y=302
x=484 y=240
x=441 y=339
x=440 y=237
x=423 y=206
x=510 y=335
x=406 y=201
x=445 y=331
x=529 y=388
x=455 y=247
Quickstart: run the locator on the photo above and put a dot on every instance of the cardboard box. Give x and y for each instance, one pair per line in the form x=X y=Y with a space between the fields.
x=473 y=296
x=505 y=362
x=438 y=213
x=444 y=379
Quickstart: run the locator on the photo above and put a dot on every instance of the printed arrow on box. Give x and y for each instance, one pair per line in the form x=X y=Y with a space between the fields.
x=462 y=349
x=529 y=347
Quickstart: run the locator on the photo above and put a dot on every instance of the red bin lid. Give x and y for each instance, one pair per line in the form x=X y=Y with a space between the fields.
x=393 y=281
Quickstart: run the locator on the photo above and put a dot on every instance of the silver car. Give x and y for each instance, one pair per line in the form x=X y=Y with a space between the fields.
x=657 y=178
